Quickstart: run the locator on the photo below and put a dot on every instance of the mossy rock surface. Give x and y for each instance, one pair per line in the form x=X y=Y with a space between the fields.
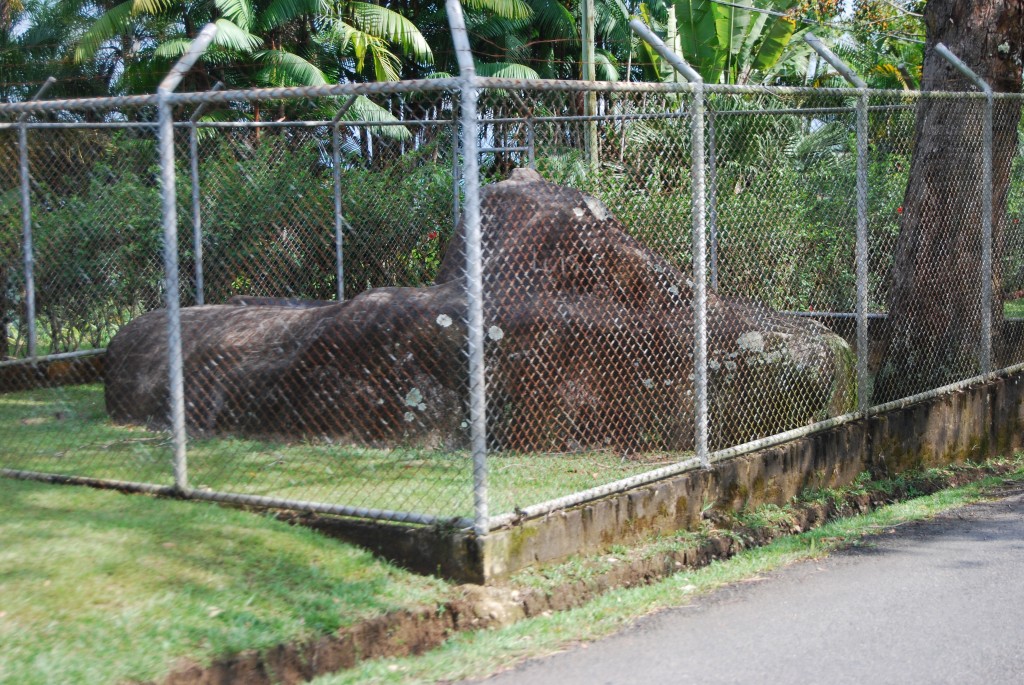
x=588 y=345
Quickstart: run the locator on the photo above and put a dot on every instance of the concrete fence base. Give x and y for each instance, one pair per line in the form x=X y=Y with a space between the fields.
x=979 y=422
x=976 y=422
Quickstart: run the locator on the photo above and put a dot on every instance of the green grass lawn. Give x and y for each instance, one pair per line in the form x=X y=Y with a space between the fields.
x=100 y=587
x=66 y=431
x=1014 y=309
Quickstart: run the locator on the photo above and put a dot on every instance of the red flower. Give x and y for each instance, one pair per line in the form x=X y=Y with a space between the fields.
x=899 y=210
x=432 y=235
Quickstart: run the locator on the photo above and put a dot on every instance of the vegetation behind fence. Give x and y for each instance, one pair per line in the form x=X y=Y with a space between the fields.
x=781 y=185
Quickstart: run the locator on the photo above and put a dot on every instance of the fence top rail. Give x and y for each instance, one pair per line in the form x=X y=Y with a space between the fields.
x=324 y=123
x=247 y=94
x=721 y=88
x=78 y=104
x=452 y=85
x=435 y=85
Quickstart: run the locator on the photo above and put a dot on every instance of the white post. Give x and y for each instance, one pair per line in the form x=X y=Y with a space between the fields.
x=170 y=229
x=589 y=73
x=197 y=218
x=28 y=251
x=474 y=268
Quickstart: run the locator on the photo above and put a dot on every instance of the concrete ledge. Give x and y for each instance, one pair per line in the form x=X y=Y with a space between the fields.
x=979 y=422
x=71 y=368
x=430 y=550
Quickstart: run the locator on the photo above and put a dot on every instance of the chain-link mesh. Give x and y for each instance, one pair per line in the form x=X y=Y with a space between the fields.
x=328 y=364
x=932 y=289
x=782 y=273
x=266 y=214
x=357 y=403
x=95 y=244
x=12 y=285
x=1008 y=281
x=891 y=142
x=586 y=300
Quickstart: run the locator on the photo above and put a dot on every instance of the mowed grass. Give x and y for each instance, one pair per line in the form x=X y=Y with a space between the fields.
x=1014 y=309
x=66 y=431
x=100 y=587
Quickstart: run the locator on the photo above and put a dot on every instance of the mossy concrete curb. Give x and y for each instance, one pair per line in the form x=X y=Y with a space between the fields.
x=475 y=607
x=975 y=423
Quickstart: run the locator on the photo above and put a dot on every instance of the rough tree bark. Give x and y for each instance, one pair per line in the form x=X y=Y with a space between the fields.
x=934 y=301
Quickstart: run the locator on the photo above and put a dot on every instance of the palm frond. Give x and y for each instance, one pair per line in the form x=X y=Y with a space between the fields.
x=150 y=6
x=386 y=66
x=498 y=29
x=280 y=12
x=505 y=70
x=172 y=48
x=337 y=34
x=283 y=68
x=510 y=9
x=232 y=37
x=888 y=75
x=392 y=27
x=604 y=66
x=239 y=12
x=823 y=146
x=112 y=23
x=612 y=20
x=364 y=109
x=555 y=20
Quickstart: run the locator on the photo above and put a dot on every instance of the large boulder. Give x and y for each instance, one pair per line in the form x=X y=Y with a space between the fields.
x=589 y=345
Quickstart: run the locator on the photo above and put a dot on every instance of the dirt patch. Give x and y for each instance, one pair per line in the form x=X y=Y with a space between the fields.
x=475 y=607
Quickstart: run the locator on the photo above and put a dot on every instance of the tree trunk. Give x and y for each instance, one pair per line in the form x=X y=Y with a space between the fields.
x=935 y=333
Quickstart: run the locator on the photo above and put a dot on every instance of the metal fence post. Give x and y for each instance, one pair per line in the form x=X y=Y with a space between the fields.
x=861 y=256
x=28 y=251
x=588 y=68
x=531 y=151
x=531 y=142
x=700 y=329
x=712 y=201
x=474 y=267
x=197 y=219
x=456 y=169
x=168 y=202
x=986 y=205
x=339 y=219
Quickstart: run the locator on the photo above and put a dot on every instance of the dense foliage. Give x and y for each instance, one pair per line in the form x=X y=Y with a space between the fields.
x=784 y=215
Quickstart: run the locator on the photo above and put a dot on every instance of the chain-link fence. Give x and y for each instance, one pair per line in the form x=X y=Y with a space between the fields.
x=475 y=299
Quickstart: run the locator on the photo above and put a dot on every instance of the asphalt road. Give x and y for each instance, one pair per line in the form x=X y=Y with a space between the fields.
x=938 y=601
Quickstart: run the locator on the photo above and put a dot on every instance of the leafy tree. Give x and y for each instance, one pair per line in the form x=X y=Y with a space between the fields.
x=935 y=322
x=731 y=43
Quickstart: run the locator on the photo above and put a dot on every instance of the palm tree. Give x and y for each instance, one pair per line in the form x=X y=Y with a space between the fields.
x=285 y=42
